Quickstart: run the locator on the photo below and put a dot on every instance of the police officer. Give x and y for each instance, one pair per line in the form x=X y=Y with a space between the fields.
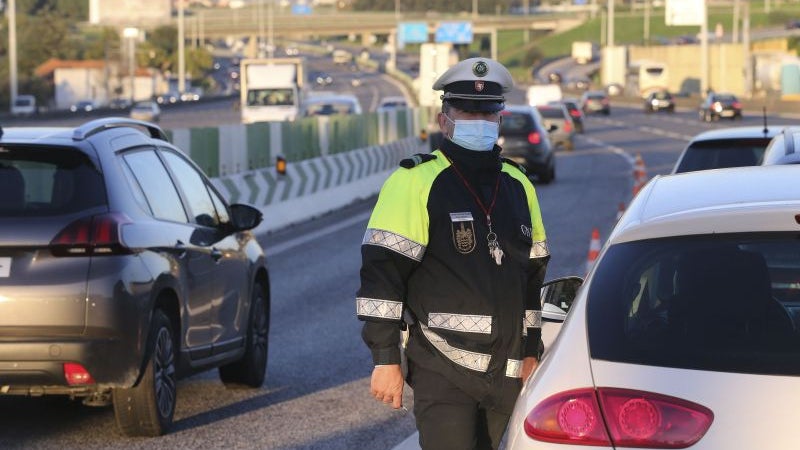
x=455 y=250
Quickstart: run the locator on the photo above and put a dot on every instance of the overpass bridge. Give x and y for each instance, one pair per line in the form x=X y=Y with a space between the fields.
x=250 y=22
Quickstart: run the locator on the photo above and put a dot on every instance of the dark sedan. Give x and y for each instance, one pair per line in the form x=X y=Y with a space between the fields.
x=720 y=105
x=659 y=101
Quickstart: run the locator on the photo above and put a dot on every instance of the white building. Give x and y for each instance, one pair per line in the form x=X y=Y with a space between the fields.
x=129 y=12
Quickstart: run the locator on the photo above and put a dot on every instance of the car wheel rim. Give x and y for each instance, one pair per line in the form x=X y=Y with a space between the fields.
x=164 y=371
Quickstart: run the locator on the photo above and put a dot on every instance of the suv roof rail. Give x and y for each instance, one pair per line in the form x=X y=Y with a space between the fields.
x=96 y=126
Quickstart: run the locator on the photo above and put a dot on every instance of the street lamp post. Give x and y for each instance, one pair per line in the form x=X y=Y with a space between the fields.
x=181 y=44
x=131 y=34
x=12 y=49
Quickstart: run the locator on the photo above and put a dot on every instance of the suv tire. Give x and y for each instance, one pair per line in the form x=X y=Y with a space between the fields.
x=251 y=369
x=147 y=408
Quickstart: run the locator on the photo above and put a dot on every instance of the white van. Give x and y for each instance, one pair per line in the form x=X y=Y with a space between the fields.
x=24 y=105
x=542 y=94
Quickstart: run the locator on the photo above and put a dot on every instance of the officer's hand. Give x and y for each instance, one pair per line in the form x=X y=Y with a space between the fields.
x=529 y=364
x=387 y=385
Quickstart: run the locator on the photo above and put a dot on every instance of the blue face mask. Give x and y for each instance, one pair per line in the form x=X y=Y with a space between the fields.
x=478 y=135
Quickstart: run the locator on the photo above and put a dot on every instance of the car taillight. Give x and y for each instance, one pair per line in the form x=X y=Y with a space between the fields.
x=618 y=417
x=534 y=138
x=91 y=236
x=76 y=374
x=737 y=105
x=574 y=113
x=567 y=126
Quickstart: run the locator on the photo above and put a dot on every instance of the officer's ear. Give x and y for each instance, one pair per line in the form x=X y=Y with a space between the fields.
x=441 y=118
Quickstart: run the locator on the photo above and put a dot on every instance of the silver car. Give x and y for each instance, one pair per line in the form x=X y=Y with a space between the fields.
x=121 y=270
x=148 y=111
x=685 y=332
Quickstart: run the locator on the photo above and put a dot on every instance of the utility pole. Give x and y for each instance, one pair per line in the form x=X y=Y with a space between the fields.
x=610 y=36
x=646 y=22
x=704 y=51
x=12 y=49
x=181 y=57
x=735 y=31
x=748 y=66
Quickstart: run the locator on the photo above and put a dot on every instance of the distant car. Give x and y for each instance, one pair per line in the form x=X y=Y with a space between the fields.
x=793 y=24
x=686 y=326
x=82 y=106
x=341 y=56
x=321 y=78
x=524 y=140
x=784 y=148
x=574 y=111
x=328 y=105
x=392 y=103
x=718 y=105
x=559 y=123
x=659 y=101
x=24 y=105
x=147 y=111
x=595 y=102
x=119 y=103
x=725 y=147
x=168 y=98
x=124 y=270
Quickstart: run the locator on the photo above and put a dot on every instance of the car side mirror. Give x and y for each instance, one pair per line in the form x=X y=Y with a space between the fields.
x=557 y=297
x=244 y=217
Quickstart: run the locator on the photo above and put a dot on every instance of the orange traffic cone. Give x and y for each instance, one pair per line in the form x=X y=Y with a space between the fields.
x=620 y=210
x=639 y=174
x=594 y=250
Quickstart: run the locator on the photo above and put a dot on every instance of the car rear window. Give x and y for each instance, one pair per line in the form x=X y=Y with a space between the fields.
x=47 y=181
x=720 y=154
x=718 y=302
x=515 y=123
x=551 y=113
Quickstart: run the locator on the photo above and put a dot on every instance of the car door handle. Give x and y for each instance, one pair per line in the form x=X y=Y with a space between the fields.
x=216 y=254
x=181 y=247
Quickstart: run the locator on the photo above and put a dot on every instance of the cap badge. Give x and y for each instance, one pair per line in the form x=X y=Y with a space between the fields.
x=479 y=86
x=480 y=69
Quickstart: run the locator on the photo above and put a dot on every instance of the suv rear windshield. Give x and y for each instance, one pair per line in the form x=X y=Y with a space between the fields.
x=717 y=302
x=720 y=154
x=552 y=113
x=514 y=123
x=47 y=181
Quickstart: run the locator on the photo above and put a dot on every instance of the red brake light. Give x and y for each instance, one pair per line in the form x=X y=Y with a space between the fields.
x=574 y=113
x=76 y=374
x=567 y=126
x=737 y=105
x=91 y=236
x=632 y=418
x=571 y=417
x=534 y=137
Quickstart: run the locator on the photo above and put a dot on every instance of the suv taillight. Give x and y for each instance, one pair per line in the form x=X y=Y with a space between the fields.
x=534 y=138
x=91 y=236
x=619 y=418
x=567 y=126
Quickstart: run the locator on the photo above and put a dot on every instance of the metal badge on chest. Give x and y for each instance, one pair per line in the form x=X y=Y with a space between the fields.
x=463 y=230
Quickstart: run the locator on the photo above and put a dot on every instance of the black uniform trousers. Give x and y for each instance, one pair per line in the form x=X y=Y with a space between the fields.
x=449 y=419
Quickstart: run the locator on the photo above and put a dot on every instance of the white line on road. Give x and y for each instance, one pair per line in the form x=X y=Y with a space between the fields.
x=300 y=240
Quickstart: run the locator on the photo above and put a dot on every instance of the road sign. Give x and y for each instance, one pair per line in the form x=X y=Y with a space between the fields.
x=412 y=33
x=454 y=32
x=301 y=9
x=684 y=12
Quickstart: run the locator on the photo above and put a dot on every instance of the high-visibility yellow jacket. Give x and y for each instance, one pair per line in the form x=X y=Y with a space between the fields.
x=426 y=252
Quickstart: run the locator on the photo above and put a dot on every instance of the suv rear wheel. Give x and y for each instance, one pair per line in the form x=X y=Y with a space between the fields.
x=147 y=408
x=252 y=368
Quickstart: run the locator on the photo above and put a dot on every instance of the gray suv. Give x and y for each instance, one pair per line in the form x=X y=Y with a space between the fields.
x=121 y=270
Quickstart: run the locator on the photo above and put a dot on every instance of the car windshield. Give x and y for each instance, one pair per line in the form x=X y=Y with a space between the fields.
x=47 y=181
x=725 y=153
x=714 y=302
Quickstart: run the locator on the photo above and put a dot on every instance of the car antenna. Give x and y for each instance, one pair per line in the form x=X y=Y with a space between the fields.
x=764 y=115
